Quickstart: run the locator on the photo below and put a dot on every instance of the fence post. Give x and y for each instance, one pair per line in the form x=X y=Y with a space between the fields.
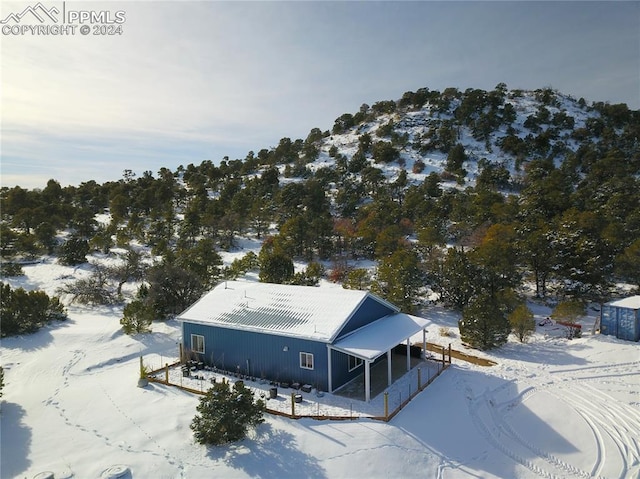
x=166 y=372
x=386 y=405
x=293 y=405
x=419 y=379
x=449 y=353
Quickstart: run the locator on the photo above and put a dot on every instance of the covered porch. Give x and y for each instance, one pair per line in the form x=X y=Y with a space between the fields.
x=375 y=340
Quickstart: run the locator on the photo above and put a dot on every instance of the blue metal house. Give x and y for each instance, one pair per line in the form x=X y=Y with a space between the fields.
x=321 y=336
x=621 y=318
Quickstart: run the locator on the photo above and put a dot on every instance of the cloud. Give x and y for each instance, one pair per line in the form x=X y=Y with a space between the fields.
x=197 y=77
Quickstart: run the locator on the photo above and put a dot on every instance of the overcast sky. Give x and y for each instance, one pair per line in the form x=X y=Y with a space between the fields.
x=193 y=81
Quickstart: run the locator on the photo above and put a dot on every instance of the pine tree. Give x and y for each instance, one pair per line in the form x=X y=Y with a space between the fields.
x=275 y=268
x=226 y=414
x=484 y=325
x=137 y=317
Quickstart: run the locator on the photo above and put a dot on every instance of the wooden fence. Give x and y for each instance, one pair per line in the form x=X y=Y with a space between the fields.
x=161 y=376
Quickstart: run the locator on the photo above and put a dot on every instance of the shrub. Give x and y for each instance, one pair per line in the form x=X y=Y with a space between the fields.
x=418 y=166
x=11 y=270
x=522 y=323
x=226 y=414
x=25 y=312
x=568 y=312
x=445 y=332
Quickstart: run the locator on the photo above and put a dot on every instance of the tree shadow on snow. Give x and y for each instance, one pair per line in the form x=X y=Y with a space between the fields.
x=479 y=423
x=273 y=453
x=37 y=340
x=16 y=441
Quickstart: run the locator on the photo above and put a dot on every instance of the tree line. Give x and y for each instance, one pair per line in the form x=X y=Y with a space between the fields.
x=561 y=212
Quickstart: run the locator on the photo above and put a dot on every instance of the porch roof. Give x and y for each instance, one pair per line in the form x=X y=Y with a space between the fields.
x=375 y=339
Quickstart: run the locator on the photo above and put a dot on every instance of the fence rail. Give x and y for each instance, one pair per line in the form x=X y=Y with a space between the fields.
x=162 y=376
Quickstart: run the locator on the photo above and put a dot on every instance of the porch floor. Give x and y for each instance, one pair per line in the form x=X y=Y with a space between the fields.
x=354 y=389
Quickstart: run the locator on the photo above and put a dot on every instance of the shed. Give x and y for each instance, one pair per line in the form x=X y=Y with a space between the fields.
x=321 y=336
x=621 y=318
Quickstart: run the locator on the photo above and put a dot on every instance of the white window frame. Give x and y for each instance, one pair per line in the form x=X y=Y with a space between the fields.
x=354 y=360
x=306 y=360
x=195 y=338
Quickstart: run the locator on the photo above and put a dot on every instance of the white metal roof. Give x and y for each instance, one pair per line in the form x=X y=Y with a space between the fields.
x=632 y=302
x=375 y=339
x=317 y=313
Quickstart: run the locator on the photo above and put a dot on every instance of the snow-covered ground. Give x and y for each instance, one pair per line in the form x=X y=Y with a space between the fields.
x=551 y=408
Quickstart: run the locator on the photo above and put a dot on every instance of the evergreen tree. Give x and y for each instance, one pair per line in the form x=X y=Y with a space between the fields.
x=358 y=278
x=226 y=414
x=456 y=279
x=455 y=160
x=138 y=315
x=275 y=267
x=399 y=280
x=483 y=324
x=74 y=251
x=172 y=289
x=628 y=263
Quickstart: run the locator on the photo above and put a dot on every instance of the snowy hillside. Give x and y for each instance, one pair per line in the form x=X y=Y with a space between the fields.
x=499 y=127
x=551 y=408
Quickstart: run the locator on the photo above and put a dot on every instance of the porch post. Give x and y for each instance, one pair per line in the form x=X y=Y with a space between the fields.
x=424 y=343
x=329 y=378
x=389 y=377
x=408 y=354
x=367 y=381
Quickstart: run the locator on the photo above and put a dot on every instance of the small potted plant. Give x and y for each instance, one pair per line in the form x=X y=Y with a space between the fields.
x=143 y=380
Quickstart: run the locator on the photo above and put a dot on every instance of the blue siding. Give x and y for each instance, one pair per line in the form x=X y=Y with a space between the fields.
x=623 y=323
x=260 y=355
x=340 y=374
x=369 y=311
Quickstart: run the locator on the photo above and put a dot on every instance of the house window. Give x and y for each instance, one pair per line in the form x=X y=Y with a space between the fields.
x=197 y=343
x=354 y=362
x=306 y=360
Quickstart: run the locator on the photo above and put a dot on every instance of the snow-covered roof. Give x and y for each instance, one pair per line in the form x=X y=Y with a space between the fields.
x=632 y=302
x=317 y=313
x=375 y=339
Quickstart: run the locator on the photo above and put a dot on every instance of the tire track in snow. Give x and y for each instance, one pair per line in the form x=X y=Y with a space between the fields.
x=498 y=443
x=605 y=417
x=502 y=428
x=610 y=420
x=600 y=445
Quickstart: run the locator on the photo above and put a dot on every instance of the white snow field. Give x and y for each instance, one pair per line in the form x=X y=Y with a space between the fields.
x=550 y=408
